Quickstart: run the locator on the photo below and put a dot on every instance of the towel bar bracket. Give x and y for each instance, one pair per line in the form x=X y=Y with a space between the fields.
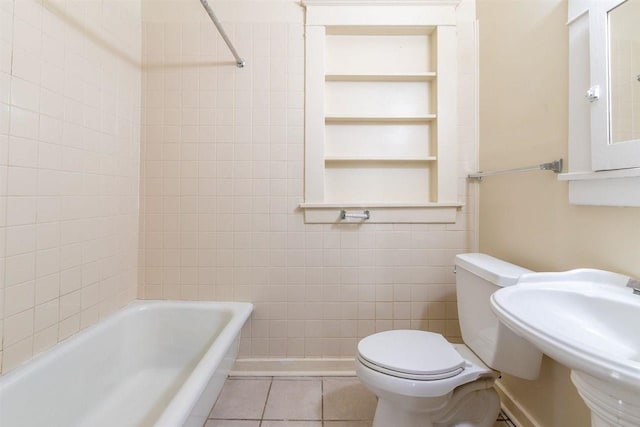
x=555 y=166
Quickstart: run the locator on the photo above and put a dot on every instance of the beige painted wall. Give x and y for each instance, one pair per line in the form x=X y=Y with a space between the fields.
x=70 y=85
x=526 y=218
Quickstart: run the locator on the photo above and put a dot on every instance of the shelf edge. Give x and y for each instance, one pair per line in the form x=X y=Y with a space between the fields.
x=380 y=205
x=380 y=159
x=409 y=77
x=382 y=213
x=352 y=119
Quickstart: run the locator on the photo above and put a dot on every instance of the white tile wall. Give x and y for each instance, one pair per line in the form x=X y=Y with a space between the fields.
x=70 y=84
x=222 y=165
x=222 y=176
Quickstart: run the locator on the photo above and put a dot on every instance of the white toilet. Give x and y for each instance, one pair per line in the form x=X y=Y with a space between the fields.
x=422 y=380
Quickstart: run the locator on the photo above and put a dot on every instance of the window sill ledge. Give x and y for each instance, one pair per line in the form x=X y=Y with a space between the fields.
x=606 y=188
x=590 y=175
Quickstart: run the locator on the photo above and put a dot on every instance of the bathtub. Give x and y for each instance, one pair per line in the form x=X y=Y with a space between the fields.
x=153 y=363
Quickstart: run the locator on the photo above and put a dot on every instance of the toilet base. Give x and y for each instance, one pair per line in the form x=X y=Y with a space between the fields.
x=474 y=404
x=388 y=414
x=467 y=399
x=478 y=408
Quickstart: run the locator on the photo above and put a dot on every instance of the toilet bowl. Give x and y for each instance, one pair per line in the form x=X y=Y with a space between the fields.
x=443 y=388
x=422 y=380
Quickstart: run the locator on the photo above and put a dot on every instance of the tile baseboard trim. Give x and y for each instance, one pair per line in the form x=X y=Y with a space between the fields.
x=303 y=367
x=514 y=410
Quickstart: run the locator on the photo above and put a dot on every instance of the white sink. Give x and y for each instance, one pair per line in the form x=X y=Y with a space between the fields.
x=589 y=321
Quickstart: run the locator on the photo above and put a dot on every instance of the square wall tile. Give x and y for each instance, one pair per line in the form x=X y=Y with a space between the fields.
x=16 y=354
x=65 y=155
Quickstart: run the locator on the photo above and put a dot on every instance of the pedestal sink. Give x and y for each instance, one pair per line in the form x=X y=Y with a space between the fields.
x=588 y=320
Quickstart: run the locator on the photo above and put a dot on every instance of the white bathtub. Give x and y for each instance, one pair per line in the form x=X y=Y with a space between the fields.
x=154 y=363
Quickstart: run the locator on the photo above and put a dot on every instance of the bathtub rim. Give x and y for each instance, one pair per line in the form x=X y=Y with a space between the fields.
x=178 y=410
x=187 y=395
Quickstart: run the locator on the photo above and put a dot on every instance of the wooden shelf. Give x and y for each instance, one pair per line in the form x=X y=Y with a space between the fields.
x=383 y=213
x=378 y=30
x=378 y=159
x=356 y=205
x=409 y=77
x=369 y=119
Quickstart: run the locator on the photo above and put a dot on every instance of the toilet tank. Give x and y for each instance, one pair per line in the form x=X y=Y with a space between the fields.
x=477 y=277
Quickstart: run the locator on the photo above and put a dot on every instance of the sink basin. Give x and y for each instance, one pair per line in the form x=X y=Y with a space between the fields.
x=588 y=321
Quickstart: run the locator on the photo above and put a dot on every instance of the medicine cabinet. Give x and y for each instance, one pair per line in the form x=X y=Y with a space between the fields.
x=604 y=88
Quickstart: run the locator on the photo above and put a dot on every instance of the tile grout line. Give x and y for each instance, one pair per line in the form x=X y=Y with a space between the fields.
x=264 y=408
x=322 y=401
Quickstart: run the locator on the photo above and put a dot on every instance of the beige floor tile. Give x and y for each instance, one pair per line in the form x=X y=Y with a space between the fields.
x=232 y=423
x=347 y=399
x=294 y=400
x=291 y=424
x=241 y=399
x=348 y=423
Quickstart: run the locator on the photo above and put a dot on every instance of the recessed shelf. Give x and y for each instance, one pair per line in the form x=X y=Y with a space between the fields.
x=371 y=129
x=409 y=77
x=370 y=119
x=379 y=159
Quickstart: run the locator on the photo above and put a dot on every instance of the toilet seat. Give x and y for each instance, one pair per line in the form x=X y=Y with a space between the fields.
x=415 y=355
x=379 y=381
x=404 y=375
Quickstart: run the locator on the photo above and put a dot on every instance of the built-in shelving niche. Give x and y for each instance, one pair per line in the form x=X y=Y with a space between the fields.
x=380 y=128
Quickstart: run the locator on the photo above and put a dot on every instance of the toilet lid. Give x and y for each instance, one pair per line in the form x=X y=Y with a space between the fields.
x=412 y=352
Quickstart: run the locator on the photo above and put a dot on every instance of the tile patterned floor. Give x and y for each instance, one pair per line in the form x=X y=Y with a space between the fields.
x=298 y=402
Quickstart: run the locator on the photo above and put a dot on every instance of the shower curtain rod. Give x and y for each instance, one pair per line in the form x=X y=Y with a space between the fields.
x=239 y=61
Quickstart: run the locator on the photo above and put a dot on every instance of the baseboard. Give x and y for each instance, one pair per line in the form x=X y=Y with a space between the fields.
x=514 y=410
x=293 y=367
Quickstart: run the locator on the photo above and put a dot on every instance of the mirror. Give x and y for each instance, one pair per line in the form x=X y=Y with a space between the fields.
x=624 y=72
x=600 y=172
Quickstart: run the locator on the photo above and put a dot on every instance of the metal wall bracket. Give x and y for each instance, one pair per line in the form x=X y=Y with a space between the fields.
x=240 y=63
x=555 y=166
x=364 y=215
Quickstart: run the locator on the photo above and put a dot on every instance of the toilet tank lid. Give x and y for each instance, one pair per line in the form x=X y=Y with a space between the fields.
x=496 y=271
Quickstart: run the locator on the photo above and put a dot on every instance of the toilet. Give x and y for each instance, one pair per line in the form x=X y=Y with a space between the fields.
x=422 y=380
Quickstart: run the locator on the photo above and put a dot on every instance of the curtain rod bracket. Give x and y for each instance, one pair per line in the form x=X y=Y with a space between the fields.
x=240 y=63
